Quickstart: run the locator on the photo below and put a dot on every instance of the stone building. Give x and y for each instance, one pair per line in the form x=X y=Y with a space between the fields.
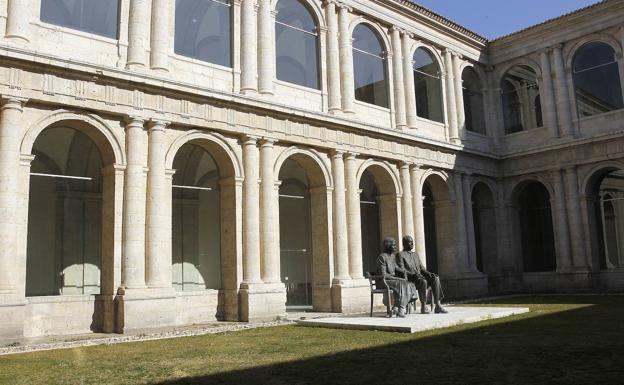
x=174 y=162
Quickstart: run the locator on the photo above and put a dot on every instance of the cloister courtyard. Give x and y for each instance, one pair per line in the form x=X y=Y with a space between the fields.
x=562 y=340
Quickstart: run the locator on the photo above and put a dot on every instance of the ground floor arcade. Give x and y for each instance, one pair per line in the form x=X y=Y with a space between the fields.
x=113 y=224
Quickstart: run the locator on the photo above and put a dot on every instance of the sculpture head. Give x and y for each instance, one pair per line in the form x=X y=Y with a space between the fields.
x=408 y=243
x=388 y=245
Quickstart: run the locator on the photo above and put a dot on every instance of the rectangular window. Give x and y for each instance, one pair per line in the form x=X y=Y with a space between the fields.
x=100 y=17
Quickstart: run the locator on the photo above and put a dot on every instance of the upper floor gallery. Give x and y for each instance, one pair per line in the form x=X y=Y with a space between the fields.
x=387 y=63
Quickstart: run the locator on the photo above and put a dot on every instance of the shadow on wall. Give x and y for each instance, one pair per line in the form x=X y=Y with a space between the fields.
x=575 y=346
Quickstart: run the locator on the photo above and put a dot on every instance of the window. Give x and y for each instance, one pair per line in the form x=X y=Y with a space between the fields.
x=203 y=30
x=473 y=101
x=100 y=17
x=428 y=86
x=596 y=80
x=296 y=44
x=369 y=67
x=520 y=92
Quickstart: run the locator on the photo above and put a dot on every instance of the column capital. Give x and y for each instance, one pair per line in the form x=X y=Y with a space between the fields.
x=158 y=124
x=12 y=102
x=134 y=120
x=556 y=47
x=343 y=6
x=405 y=164
x=336 y=153
x=394 y=28
x=267 y=142
x=327 y=3
x=351 y=155
x=250 y=139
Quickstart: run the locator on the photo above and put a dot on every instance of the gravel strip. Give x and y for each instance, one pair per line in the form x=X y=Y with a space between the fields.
x=118 y=339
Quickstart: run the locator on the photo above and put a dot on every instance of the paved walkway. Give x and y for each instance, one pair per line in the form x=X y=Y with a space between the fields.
x=415 y=322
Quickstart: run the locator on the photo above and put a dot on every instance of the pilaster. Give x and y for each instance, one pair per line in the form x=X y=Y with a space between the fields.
x=399 y=85
x=18 y=20
x=137 y=33
x=547 y=96
x=248 y=49
x=564 y=113
x=159 y=45
x=451 y=100
x=347 y=85
x=333 y=57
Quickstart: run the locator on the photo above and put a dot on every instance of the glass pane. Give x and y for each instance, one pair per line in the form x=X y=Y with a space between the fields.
x=370 y=79
x=596 y=80
x=64 y=215
x=196 y=224
x=100 y=17
x=610 y=215
x=295 y=14
x=473 y=101
x=536 y=227
x=203 y=30
x=428 y=86
x=297 y=56
x=519 y=92
x=371 y=228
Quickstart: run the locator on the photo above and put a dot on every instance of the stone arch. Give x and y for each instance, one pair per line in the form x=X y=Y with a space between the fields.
x=525 y=61
x=533 y=225
x=606 y=38
x=309 y=157
x=379 y=30
x=512 y=188
x=313 y=6
x=438 y=204
x=223 y=229
x=82 y=213
x=483 y=203
x=434 y=51
x=605 y=246
x=92 y=125
x=379 y=207
x=216 y=144
x=305 y=223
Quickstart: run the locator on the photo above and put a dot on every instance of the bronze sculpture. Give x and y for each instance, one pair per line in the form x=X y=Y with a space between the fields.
x=408 y=263
x=403 y=290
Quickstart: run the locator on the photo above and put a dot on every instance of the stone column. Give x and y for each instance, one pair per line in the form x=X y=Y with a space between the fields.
x=564 y=114
x=266 y=58
x=497 y=124
x=341 y=246
x=159 y=48
x=137 y=33
x=560 y=222
x=10 y=140
x=470 y=230
x=419 y=216
x=251 y=212
x=333 y=62
x=248 y=50
x=354 y=221
x=546 y=95
x=399 y=85
x=459 y=95
x=406 y=201
x=269 y=211
x=346 y=61
x=158 y=257
x=575 y=220
x=450 y=99
x=18 y=20
x=133 y=269
x=408 y=81
x=461 y=243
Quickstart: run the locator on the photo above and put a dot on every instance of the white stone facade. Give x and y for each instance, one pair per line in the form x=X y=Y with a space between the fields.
x=140 y=103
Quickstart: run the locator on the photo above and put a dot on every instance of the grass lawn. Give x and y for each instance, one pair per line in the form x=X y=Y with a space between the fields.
x=563 y=340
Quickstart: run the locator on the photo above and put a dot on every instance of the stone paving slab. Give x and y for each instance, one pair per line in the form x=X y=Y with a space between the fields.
x=415 y=322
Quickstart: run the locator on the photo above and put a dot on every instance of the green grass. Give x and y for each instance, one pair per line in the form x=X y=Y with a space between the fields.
x=563 y=340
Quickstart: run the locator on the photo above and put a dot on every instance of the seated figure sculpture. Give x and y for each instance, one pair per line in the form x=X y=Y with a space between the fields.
x=402 y=289
x=409 y=265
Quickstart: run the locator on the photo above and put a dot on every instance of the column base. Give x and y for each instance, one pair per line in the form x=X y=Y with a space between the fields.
x=144 y=308
x=262 y=301
x=351 y=296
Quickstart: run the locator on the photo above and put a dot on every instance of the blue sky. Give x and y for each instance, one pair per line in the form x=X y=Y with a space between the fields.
x=495 y=18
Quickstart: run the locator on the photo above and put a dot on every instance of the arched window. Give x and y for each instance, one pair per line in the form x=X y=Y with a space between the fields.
x=596 y=79
x=537 y=107
x=64 y=251
x=203 y=30
x=100 y=17
x=473 y=101
x=296 y=44
x=369 y=67
x=428 y=86
x=196 y=230
x=519 y=92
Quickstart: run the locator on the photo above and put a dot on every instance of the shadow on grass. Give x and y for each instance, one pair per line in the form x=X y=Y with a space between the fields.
x=584 y=345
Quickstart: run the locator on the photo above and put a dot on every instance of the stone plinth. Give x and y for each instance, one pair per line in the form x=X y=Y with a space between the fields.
x=262 y=301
